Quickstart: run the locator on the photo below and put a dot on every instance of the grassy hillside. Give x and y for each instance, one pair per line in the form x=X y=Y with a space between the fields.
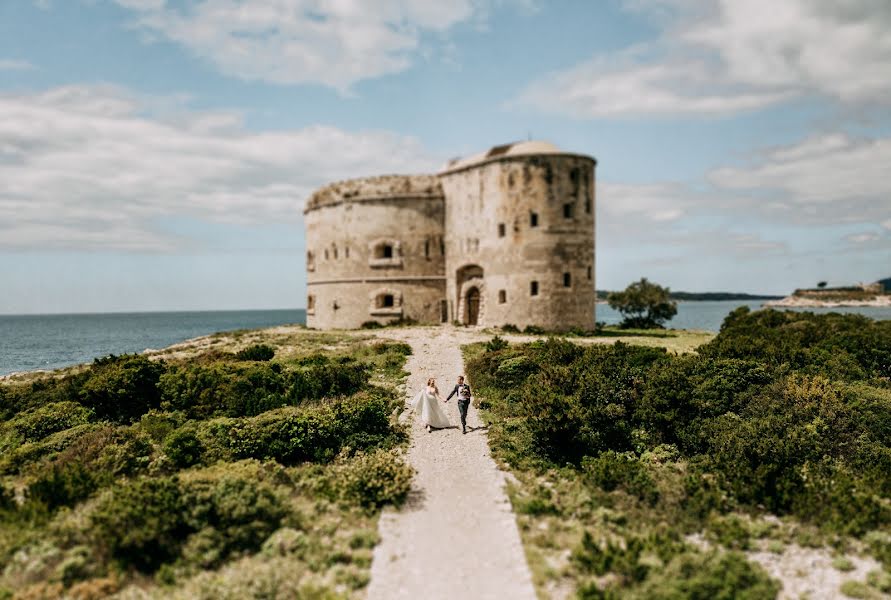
x=645 y=474
x=226 y=470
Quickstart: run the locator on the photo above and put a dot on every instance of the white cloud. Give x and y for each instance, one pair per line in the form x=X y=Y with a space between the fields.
x=8 y=64
x=725 y=56
x=862 y=238
x=86 y=167
x=821 y=171
x=332 y=42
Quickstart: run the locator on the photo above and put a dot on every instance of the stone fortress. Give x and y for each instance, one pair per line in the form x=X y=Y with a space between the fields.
x=504 y=236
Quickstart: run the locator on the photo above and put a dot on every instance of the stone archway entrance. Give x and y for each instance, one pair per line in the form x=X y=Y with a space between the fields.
x=471 y=292
x=472 y=303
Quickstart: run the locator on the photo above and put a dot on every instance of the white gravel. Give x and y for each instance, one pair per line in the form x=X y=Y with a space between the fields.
x=457 y=536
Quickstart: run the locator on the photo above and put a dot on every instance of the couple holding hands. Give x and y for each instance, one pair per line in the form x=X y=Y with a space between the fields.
x=426 y=404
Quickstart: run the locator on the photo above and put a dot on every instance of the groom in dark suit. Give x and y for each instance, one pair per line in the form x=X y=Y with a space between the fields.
x=462 y=390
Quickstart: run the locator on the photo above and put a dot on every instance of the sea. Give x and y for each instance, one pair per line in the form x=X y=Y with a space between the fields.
x=45 y=342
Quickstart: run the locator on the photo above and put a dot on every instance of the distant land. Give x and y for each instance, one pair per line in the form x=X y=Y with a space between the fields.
x=703 y=296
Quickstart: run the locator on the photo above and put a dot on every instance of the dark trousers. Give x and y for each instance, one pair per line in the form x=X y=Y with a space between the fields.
x=462 y=408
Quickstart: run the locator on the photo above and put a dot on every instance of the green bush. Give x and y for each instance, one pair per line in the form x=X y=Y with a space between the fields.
x=141 y=523
x=623 y=557
x=122 y=389
x=183 y=447
x=63 y=484
x=40 y=422
x=202 y=391
x=709 y=576
x=228 y=515
x=257 y=352
x=376 y=479
x=839 y=346
x=315 y=433
x=611 y=470
x=496 y=344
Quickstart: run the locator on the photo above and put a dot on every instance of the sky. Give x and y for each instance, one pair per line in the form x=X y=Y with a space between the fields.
x=156 y=154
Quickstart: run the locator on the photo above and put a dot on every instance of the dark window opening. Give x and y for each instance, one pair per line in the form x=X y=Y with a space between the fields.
x=533 y=219
x=335 y=252
x=567 y=211
x=589 y=273
x=346 y=252
x=442 y=246
x=310 y=303
x=387 y=301
x=326 y=254
x=588 y=205
x=533 y=288
x=502 y=296
x=502 y=230
x=426 y=248
x=567 y=279
x=384 y=251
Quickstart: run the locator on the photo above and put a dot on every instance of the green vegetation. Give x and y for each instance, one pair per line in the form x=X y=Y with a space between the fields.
x=621 y=453
x=644 y=305
x=212 y=473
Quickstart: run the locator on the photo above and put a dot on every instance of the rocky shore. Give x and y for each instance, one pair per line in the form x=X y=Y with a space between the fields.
x=878 y=301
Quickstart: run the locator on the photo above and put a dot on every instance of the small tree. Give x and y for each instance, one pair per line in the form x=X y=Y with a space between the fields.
x=644 y=305
x=821 y=285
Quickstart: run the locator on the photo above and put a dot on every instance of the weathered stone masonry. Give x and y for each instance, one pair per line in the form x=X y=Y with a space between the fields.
x=506 y=236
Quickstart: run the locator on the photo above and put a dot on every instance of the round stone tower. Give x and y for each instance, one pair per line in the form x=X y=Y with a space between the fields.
x=375 y=252
x=519 y=223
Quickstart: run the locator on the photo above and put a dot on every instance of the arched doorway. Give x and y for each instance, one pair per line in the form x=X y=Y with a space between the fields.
x=473 y=306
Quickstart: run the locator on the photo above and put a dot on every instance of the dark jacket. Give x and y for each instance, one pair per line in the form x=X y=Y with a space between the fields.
x=463 y=393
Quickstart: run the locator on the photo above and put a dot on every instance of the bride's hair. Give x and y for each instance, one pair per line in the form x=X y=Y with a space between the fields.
x=432 y=383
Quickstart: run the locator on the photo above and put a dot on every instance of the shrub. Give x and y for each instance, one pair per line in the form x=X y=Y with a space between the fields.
x=496 y=344
x=611 y=470
x=848 y=347
x=313 y=433
x=714 y=575
x=624 y=557
x=183 y=447
x=371 y=325
x=534 y=330
x=140 y=524
x=63 y=484
x=229 y=515
x=57 y=416
x=122 y=389
x=257 y=352
x=510 y=328
x=376 y=479
x=514 y=371
x=158 y=425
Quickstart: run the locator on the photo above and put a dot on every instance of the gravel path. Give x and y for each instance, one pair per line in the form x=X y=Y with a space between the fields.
x=456 y=537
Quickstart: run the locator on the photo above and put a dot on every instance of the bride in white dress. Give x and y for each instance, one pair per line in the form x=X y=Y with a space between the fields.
x=426 y=404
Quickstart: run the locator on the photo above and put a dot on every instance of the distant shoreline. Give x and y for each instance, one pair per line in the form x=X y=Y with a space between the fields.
x=881 y=301
x=705 y=296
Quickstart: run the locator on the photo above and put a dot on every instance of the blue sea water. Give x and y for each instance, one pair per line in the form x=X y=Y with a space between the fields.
x=31 y=342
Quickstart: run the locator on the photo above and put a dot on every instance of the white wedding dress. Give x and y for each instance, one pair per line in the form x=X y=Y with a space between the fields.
x=426 y=404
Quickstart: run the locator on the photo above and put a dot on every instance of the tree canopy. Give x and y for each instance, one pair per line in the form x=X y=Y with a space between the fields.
x=644 y=305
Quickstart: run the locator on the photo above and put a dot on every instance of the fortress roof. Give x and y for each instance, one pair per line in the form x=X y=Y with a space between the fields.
x=375 y=188
x=527 y=148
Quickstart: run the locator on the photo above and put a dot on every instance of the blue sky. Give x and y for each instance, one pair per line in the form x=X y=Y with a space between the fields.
x=155 y=154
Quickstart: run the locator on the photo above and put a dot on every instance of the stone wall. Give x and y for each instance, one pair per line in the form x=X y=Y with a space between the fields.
x=375 y=252
x=522 y=221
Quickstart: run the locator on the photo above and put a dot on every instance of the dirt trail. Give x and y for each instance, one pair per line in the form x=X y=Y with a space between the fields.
x=457 y=536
